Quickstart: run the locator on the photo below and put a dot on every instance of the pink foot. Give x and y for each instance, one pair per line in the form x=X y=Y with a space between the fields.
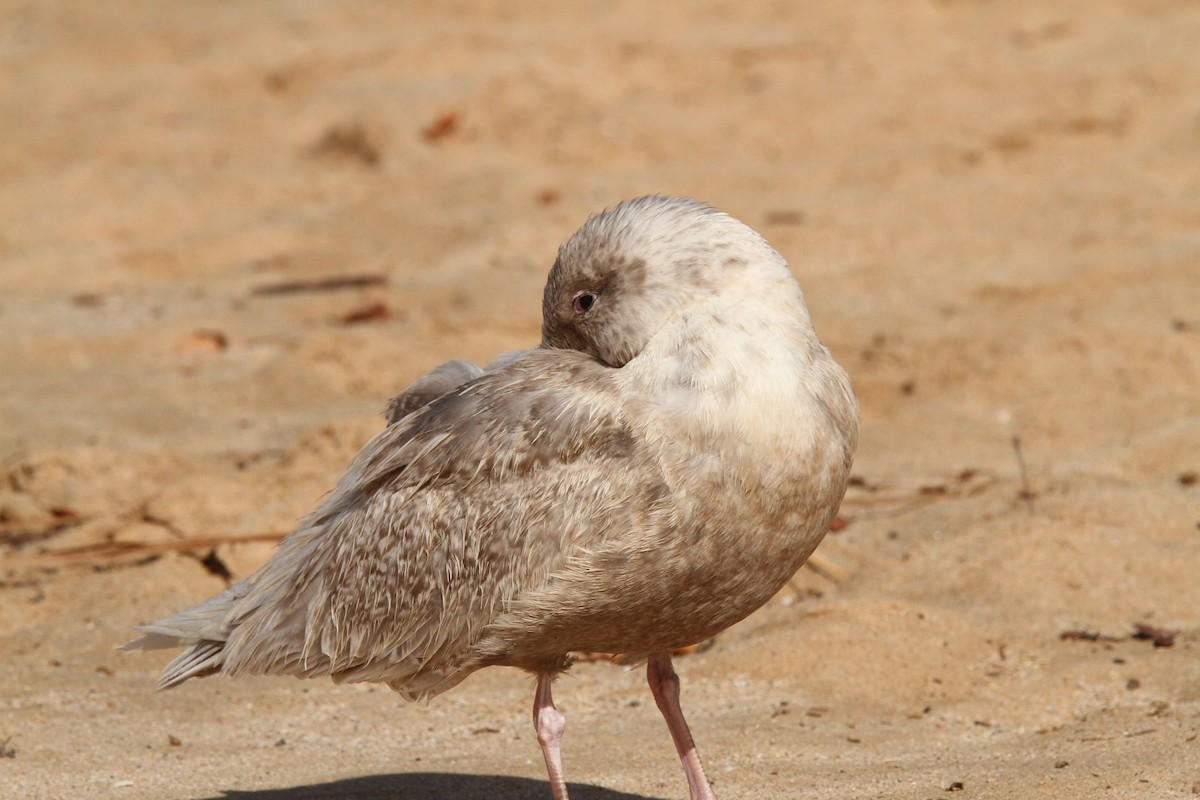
x=664 y=684
x=550 y=724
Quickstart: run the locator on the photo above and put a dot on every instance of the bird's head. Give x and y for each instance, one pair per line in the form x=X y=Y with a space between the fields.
x=631 y=270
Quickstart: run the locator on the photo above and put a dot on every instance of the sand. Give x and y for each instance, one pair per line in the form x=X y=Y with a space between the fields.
x=228 y=232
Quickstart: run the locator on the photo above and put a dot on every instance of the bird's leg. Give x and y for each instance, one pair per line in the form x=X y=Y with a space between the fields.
x=664 y=684
x=550 y=724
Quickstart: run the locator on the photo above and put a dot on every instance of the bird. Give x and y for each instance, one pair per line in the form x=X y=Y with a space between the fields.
x=652 y=472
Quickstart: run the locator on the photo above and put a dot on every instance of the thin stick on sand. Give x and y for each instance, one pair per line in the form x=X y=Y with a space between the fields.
x=103 y=552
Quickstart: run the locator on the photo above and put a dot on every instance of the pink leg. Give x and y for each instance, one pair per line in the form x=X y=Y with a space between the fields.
x=550 y=725
x=664 y=684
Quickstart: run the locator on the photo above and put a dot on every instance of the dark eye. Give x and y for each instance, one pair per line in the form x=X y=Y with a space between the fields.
x=583 y=302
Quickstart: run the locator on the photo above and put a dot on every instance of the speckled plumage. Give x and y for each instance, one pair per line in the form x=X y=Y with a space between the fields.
x=651 y=474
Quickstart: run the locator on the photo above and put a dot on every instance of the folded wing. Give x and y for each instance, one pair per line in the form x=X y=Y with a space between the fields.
x=467 y=500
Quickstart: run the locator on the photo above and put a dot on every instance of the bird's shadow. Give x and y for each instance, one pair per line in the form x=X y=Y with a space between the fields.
x=429 y=786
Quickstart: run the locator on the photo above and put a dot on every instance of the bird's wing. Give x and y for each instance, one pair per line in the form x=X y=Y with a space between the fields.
x=441 y=520
x=430 y=386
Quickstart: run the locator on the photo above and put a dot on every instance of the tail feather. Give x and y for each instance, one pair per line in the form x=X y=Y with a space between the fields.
x=202 y=658
x=151 y=641
x=203 y=629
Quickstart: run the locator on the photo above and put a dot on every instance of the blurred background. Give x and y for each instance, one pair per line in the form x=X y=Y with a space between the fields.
x=230 y=231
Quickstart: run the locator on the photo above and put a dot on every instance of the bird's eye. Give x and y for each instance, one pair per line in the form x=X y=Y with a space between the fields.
x=583 y=302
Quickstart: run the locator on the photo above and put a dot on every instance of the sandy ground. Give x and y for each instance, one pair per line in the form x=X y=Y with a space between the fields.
x=229 y=231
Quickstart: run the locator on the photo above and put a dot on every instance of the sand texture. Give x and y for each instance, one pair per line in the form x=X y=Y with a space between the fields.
x=230 y=231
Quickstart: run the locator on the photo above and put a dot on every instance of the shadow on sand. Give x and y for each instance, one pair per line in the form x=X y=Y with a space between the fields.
x=429 y=786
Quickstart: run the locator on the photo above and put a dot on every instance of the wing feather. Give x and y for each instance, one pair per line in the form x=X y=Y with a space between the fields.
x=430 y=386
x=445 y=517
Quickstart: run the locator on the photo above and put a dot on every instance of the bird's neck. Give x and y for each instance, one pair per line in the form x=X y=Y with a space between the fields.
x=760 y=382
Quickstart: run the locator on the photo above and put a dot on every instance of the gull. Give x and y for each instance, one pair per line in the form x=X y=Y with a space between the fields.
x=654 y=471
